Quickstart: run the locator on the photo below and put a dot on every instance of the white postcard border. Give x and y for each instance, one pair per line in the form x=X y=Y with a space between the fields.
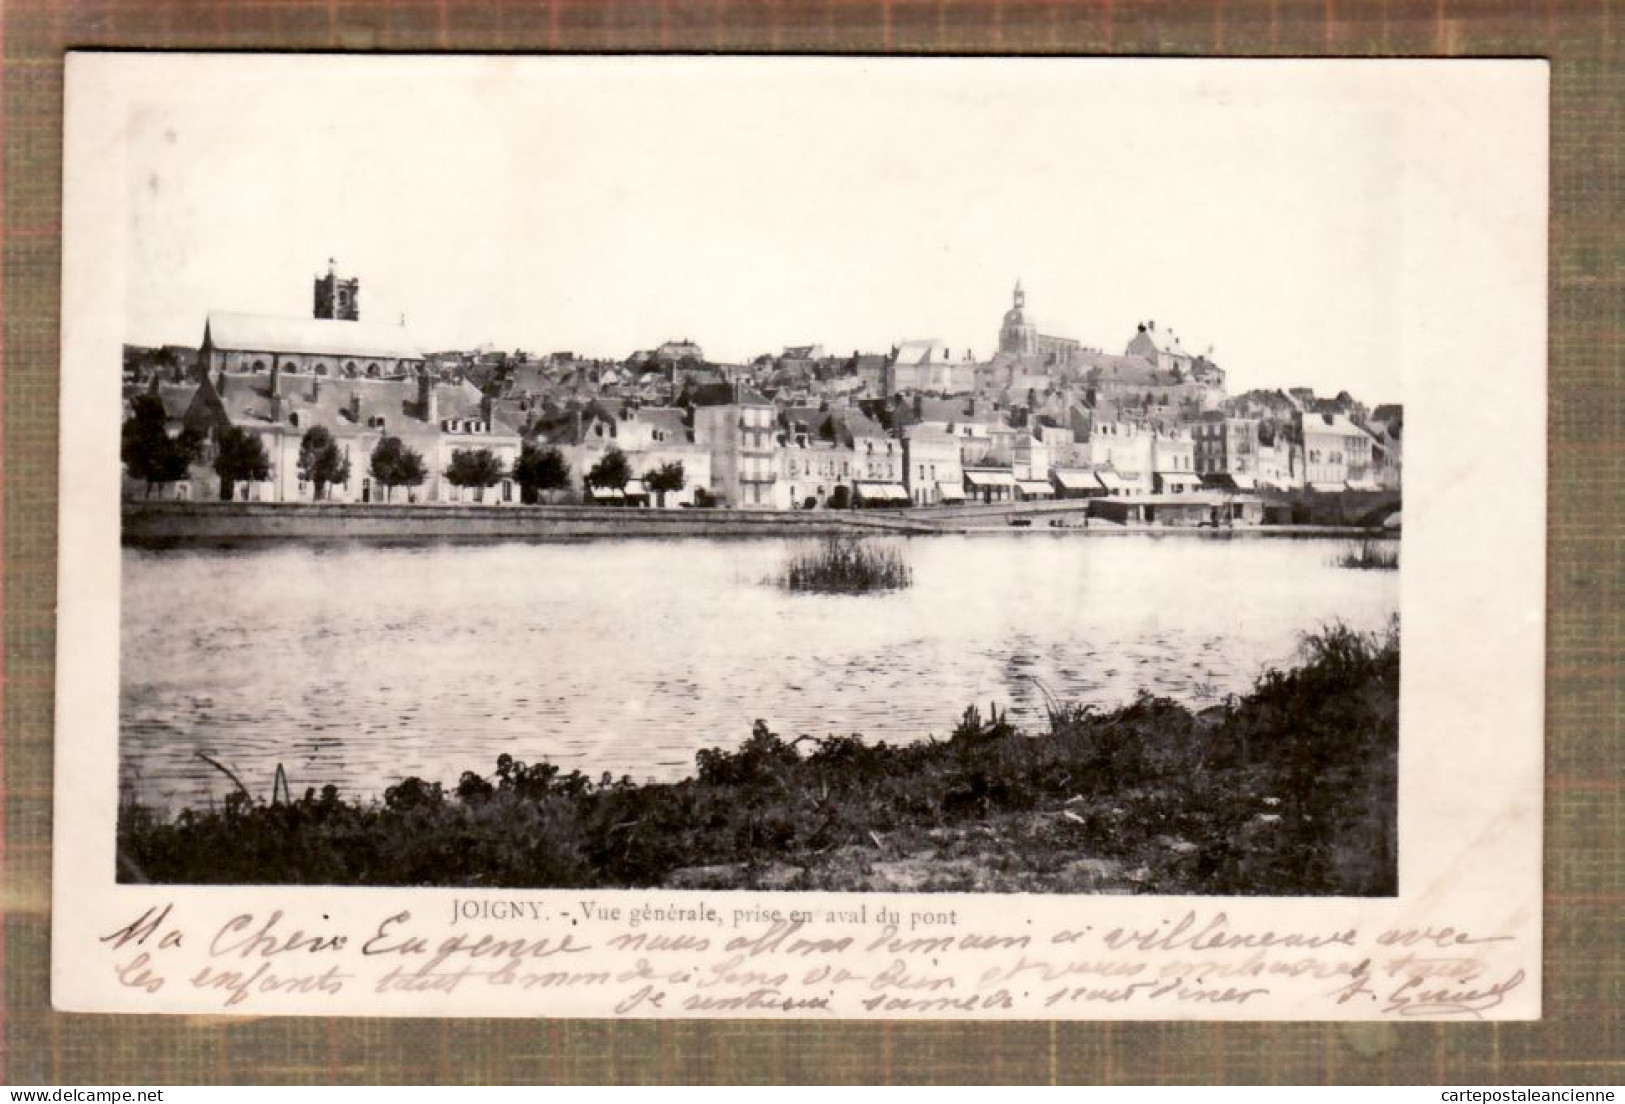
x=1472 y=601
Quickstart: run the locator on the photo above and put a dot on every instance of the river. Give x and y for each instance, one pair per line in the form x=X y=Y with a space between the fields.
x=359 y=664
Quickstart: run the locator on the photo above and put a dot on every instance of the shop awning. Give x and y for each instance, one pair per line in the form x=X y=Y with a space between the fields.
x=635 y=489
x=606 y=493
x=951 y=492
x=1034 y=487
x=1229 y=481
x=1326 y=488
x=1363 y=485
x=1110 y=480
x=881 y=492
x=990 y=478
x=1076 y=480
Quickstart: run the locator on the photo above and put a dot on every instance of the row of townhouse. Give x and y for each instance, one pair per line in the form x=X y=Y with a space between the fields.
x=650 y=438
x=1140 y=459
x=752 y=454
x=1331 y=453
x=749 y=452
x=277 y=378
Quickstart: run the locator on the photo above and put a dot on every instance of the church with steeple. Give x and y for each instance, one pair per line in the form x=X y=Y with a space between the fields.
x=1019 y=337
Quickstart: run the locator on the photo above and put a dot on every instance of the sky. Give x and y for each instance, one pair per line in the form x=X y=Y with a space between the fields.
x=602 y=205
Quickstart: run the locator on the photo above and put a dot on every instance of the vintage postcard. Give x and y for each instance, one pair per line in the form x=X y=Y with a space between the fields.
x=802 y=537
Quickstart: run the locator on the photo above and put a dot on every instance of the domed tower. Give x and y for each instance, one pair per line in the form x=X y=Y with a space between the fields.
x=1018 y=336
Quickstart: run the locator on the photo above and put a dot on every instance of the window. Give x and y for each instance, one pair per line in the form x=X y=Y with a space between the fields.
x=372 y=371
x=259 y=366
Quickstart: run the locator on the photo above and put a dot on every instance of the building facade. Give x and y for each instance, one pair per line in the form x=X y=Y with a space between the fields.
x=741 y=438
x=932 y=470
x=1226 y=446
x=1336 y=451
x=929 y=366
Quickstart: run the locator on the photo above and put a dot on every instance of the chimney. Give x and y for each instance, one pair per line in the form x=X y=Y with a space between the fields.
x=1152 y=325
x=428 y=402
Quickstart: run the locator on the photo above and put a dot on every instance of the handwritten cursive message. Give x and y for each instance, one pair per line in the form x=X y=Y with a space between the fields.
x=541 y=955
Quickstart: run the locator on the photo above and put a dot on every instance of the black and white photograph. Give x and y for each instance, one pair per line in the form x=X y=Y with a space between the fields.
x=947 y=514
x=570 y=482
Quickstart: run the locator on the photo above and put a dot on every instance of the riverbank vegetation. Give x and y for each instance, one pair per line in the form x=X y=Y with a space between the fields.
x=1289 y=789
x=844 y=565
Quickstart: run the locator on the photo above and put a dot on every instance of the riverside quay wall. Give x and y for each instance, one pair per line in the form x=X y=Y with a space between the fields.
x=166 y=522
x=170 y=521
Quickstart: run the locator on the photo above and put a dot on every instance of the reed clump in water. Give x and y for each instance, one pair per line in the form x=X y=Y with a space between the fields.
x=1370 y=555
x=841 y=565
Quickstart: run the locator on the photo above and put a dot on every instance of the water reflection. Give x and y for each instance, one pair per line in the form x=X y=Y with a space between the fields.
x=355 y=665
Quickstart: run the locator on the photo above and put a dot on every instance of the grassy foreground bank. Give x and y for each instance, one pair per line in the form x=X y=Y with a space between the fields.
x=1290 y=789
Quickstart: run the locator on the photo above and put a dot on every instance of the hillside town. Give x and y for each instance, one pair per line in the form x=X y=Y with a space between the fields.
x=334 y=408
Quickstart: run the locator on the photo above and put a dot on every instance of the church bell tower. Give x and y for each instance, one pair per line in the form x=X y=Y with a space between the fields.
x=336 y=298
x=1018 y=336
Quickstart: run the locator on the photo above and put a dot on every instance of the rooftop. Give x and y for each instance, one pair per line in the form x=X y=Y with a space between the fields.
x=264 y=333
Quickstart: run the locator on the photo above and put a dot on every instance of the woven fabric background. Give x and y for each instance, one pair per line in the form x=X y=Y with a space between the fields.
x=1580 y=1041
